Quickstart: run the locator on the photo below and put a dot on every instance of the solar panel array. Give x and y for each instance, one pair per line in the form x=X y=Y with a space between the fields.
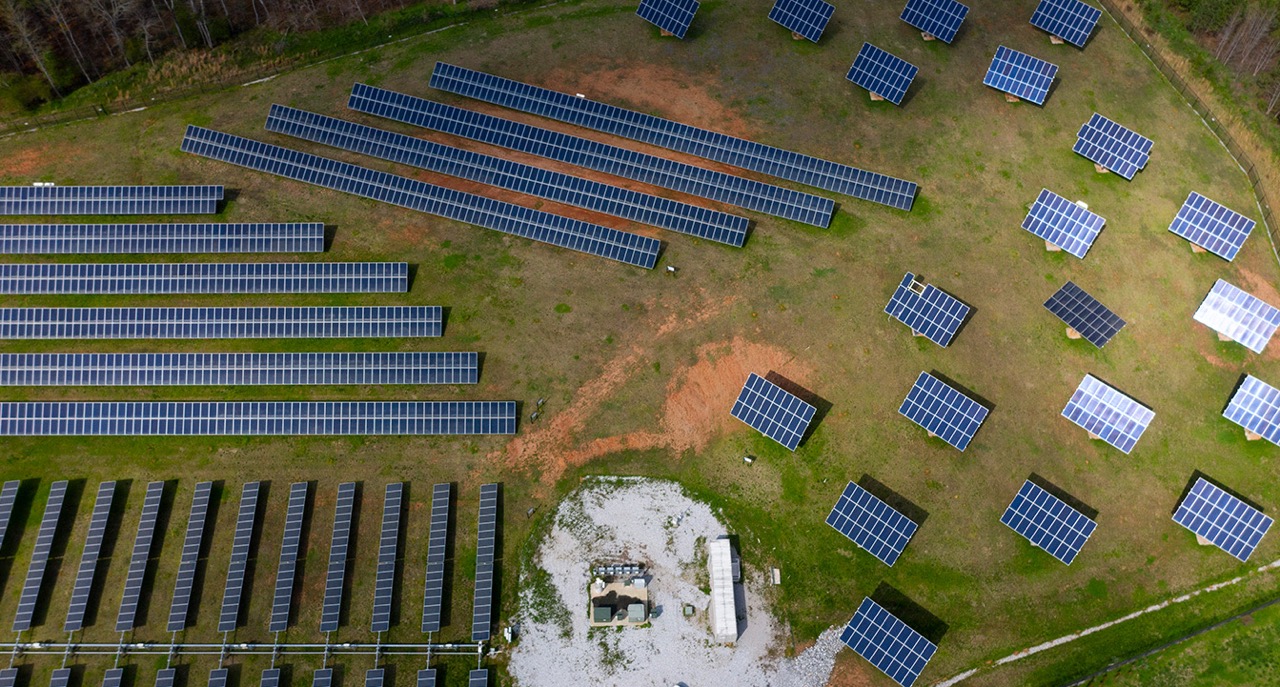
x=1048 y=522
x=683 y=138
x=882 y=73
x=140 y=557
x=1071 y=20
x=600 y=157
x=888 y=643
x=437 y=547
x=942 y=410
x=1229 y=523
x=773 y=411
x=89 y=559
x=1085 y=314
x=38 y=239
x=478 y=678
x=1239 y=315
x=60 y=677
x=246 y=519
x=270 y=678
x=388 y=550
x=218 y=677
x=938 y=18
x=871 y=523
x=1256 y=407
x=807 y=18
x=927 y=309
x=204 y=277
x=374 y=677
x=190 y=558
x=1108 y=414
x=109 y=200
x=323 y=677
x=1063 y=223
x=1113 y=147
x=535 y=225
x=514 y=176
x=222 y=323
x=113 y=677
x=40 y=557
x=1212 y=226
x=427 y=677
x=282 y=602
x=336 y=576
x=672 y=16
x=1020 y=75
x=486 y=543
x=8 y=497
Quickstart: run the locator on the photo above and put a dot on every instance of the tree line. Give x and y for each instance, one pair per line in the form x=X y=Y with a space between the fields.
x=1242 y=35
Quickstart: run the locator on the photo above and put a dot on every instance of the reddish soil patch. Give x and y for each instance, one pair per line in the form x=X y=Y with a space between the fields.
x=24 y=163
x=1264 y=289
x=849 y=673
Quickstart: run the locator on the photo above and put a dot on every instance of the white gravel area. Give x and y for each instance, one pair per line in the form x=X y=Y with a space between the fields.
x=655 y=523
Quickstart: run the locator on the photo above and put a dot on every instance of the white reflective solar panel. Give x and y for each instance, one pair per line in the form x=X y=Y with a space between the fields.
x=882 y=73
x=938 y=18
x=1227 y=522
x=888 y=643
x=1256 y=407
x=1071 y=20
x=1020 y=75
x=1107 y=413
x=1239 y=316
x=773 y=411
x=871 y=523
x=1048 y=522
x=1063 y=223
x=1212 y=226
x=807 y=18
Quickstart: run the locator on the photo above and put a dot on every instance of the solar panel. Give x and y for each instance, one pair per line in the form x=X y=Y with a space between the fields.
x=113 y=677
x=8 y=677
x=283 y=599
x=805 y=18
x=1063 y=223
x=1112 y=147
x=593 y=155
x=942 y=410
x=323 y=677
x=479 y=678
x=535 y=225
x=672 y=16
x=437 y=546
x=36 y=239
x=1224 y=520
x=139 y=558
x=388 y=550
x=1108 y=414
x=1256 y=407
x=221 y=323
x=60 y=677
x=1020 y=75
x=1048 y=522
x=1084 y=314
x=271 y=677
x=1071 y=20
x=513 y=176
x=218 y=677
x=1212 y=226
x=772 y=411
x=246 y=519
x=166 y=677
x=871 y=523
x=374 y=677
x=886 y=76
x=928 y=310
x=888 y=643
x=938 y=18
x=204 y=277
x=89 y=559
x=40 y=557
x=486 y=543
x=683 y=138
x=190 y=558
x=1239 y=316
x=335 y=578
x=109 y=200
x=8 y=497
x=427 y=677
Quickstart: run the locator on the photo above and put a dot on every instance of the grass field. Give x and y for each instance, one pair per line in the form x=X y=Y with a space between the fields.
x=639 y=368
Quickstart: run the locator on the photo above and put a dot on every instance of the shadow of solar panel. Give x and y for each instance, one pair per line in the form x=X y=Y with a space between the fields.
x=1071 y=20
x=757 y=157
x=1238 y=315
x=593 y=155
x=1063 y=223
x=218 y=677
x=374 y=677
x=8 y=496
x=67 y=239
x=486 y=542
x=1108 y=414
x=323 y=677
x=938 y=18
x=109 y=200
x=887 y=643
x=631 y=249
x=1020 y=75
x=772 y=411
x=927 y=310
x=478 y=678
x=282 y=601
x=388 y=549
x=1256 y=407
x=1083 y=313
x=221 y=323
x=113 y=677
x=229 y=617
x=39 y=562
x=79 y=603
x=335 y=577
x=1048 y=522
x=672 y=16
x=1212 y=226
x=271 y=677
x=204 y=277
x=871 y=524
x=426 y=677
x=190 y=558
x=943 y=411
x=141 y=555
x=1112 y=146
x=437 y=547
x=807 y=18
x=1224 y=520
x=885 y=75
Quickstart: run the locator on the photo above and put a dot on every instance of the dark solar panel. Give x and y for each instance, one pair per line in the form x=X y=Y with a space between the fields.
x=221 y=323
x=190 y=559
x=282 y=603
x=140 y=557
x=166 y=677
x=204 y=277
x=323 y=677
x=807 y=18
x=479 y=678
x=32 y=586
x=1225 y=521
x=388 y=548
x=83 y=239
x=486 y=542
x=335 y=577
x=426 y=677
x=229 y=617
x=938 y=18
x=1085 y=314
x=270 y=677
x=8 y=496
x=374 y=677
x=8 y=677
x=672 y=16
x=885 y=75
x=60 y=677
x=437 y=547
x=109 y=200
x=89 y=559
x=218 y=677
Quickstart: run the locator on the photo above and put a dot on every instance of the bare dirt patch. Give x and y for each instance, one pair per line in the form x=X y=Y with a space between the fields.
x=24 y=163
x=848 y=673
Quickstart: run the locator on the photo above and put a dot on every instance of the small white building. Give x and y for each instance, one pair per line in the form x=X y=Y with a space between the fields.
x=724 y=607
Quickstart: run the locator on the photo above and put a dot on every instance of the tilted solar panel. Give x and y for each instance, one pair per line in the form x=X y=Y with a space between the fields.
x=1020 y=75
x=1048 y=522
x=113 y=677
x=282 y=601
x=1108 y=414
x=109 y=200
x=1063 y=223
x=1239 y=316
x=486 y=545
x=885 y=75
x=871 y=523
x=270 y=677
x=190 y=558
x=335 y=577
x=1071 y=20
x=888 y=643
x=8 y=677
x=773 y=411
x=943 y=410
x=1112 y=147
x=34 y=583
x=388 y=552
x=806 y=18
x=1256 y=407
x=1084 y=314
x=1212 y=226
x=218 y=677
x=374 y=677
x=1224 y=520
x=437 y=547
x=427 y=677
x=478 y=678
x=8 y=497
x=221 y=323
x=60 y=677
x=204 y=277
x=79 y=603
x=672 y=16
x=938 y=18
x=140 y=557
x=246 y=520
x=928 y=310
x=323 y=677
x=757 y=157
x=36 y=239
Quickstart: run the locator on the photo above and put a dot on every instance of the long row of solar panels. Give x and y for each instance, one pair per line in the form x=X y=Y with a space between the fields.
x=138 y=559
x=89 y=558
x=437 y=548
x=631 y=249
x=8 y=497
x=233 y=592
x=204 y=277
x=110 y=200
x=222 y=323
x=42 y=239
x=184 y=583
x=486 y=561
x=336 y=575
x=388 y=552
x=34 y=583
x=290 y=545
